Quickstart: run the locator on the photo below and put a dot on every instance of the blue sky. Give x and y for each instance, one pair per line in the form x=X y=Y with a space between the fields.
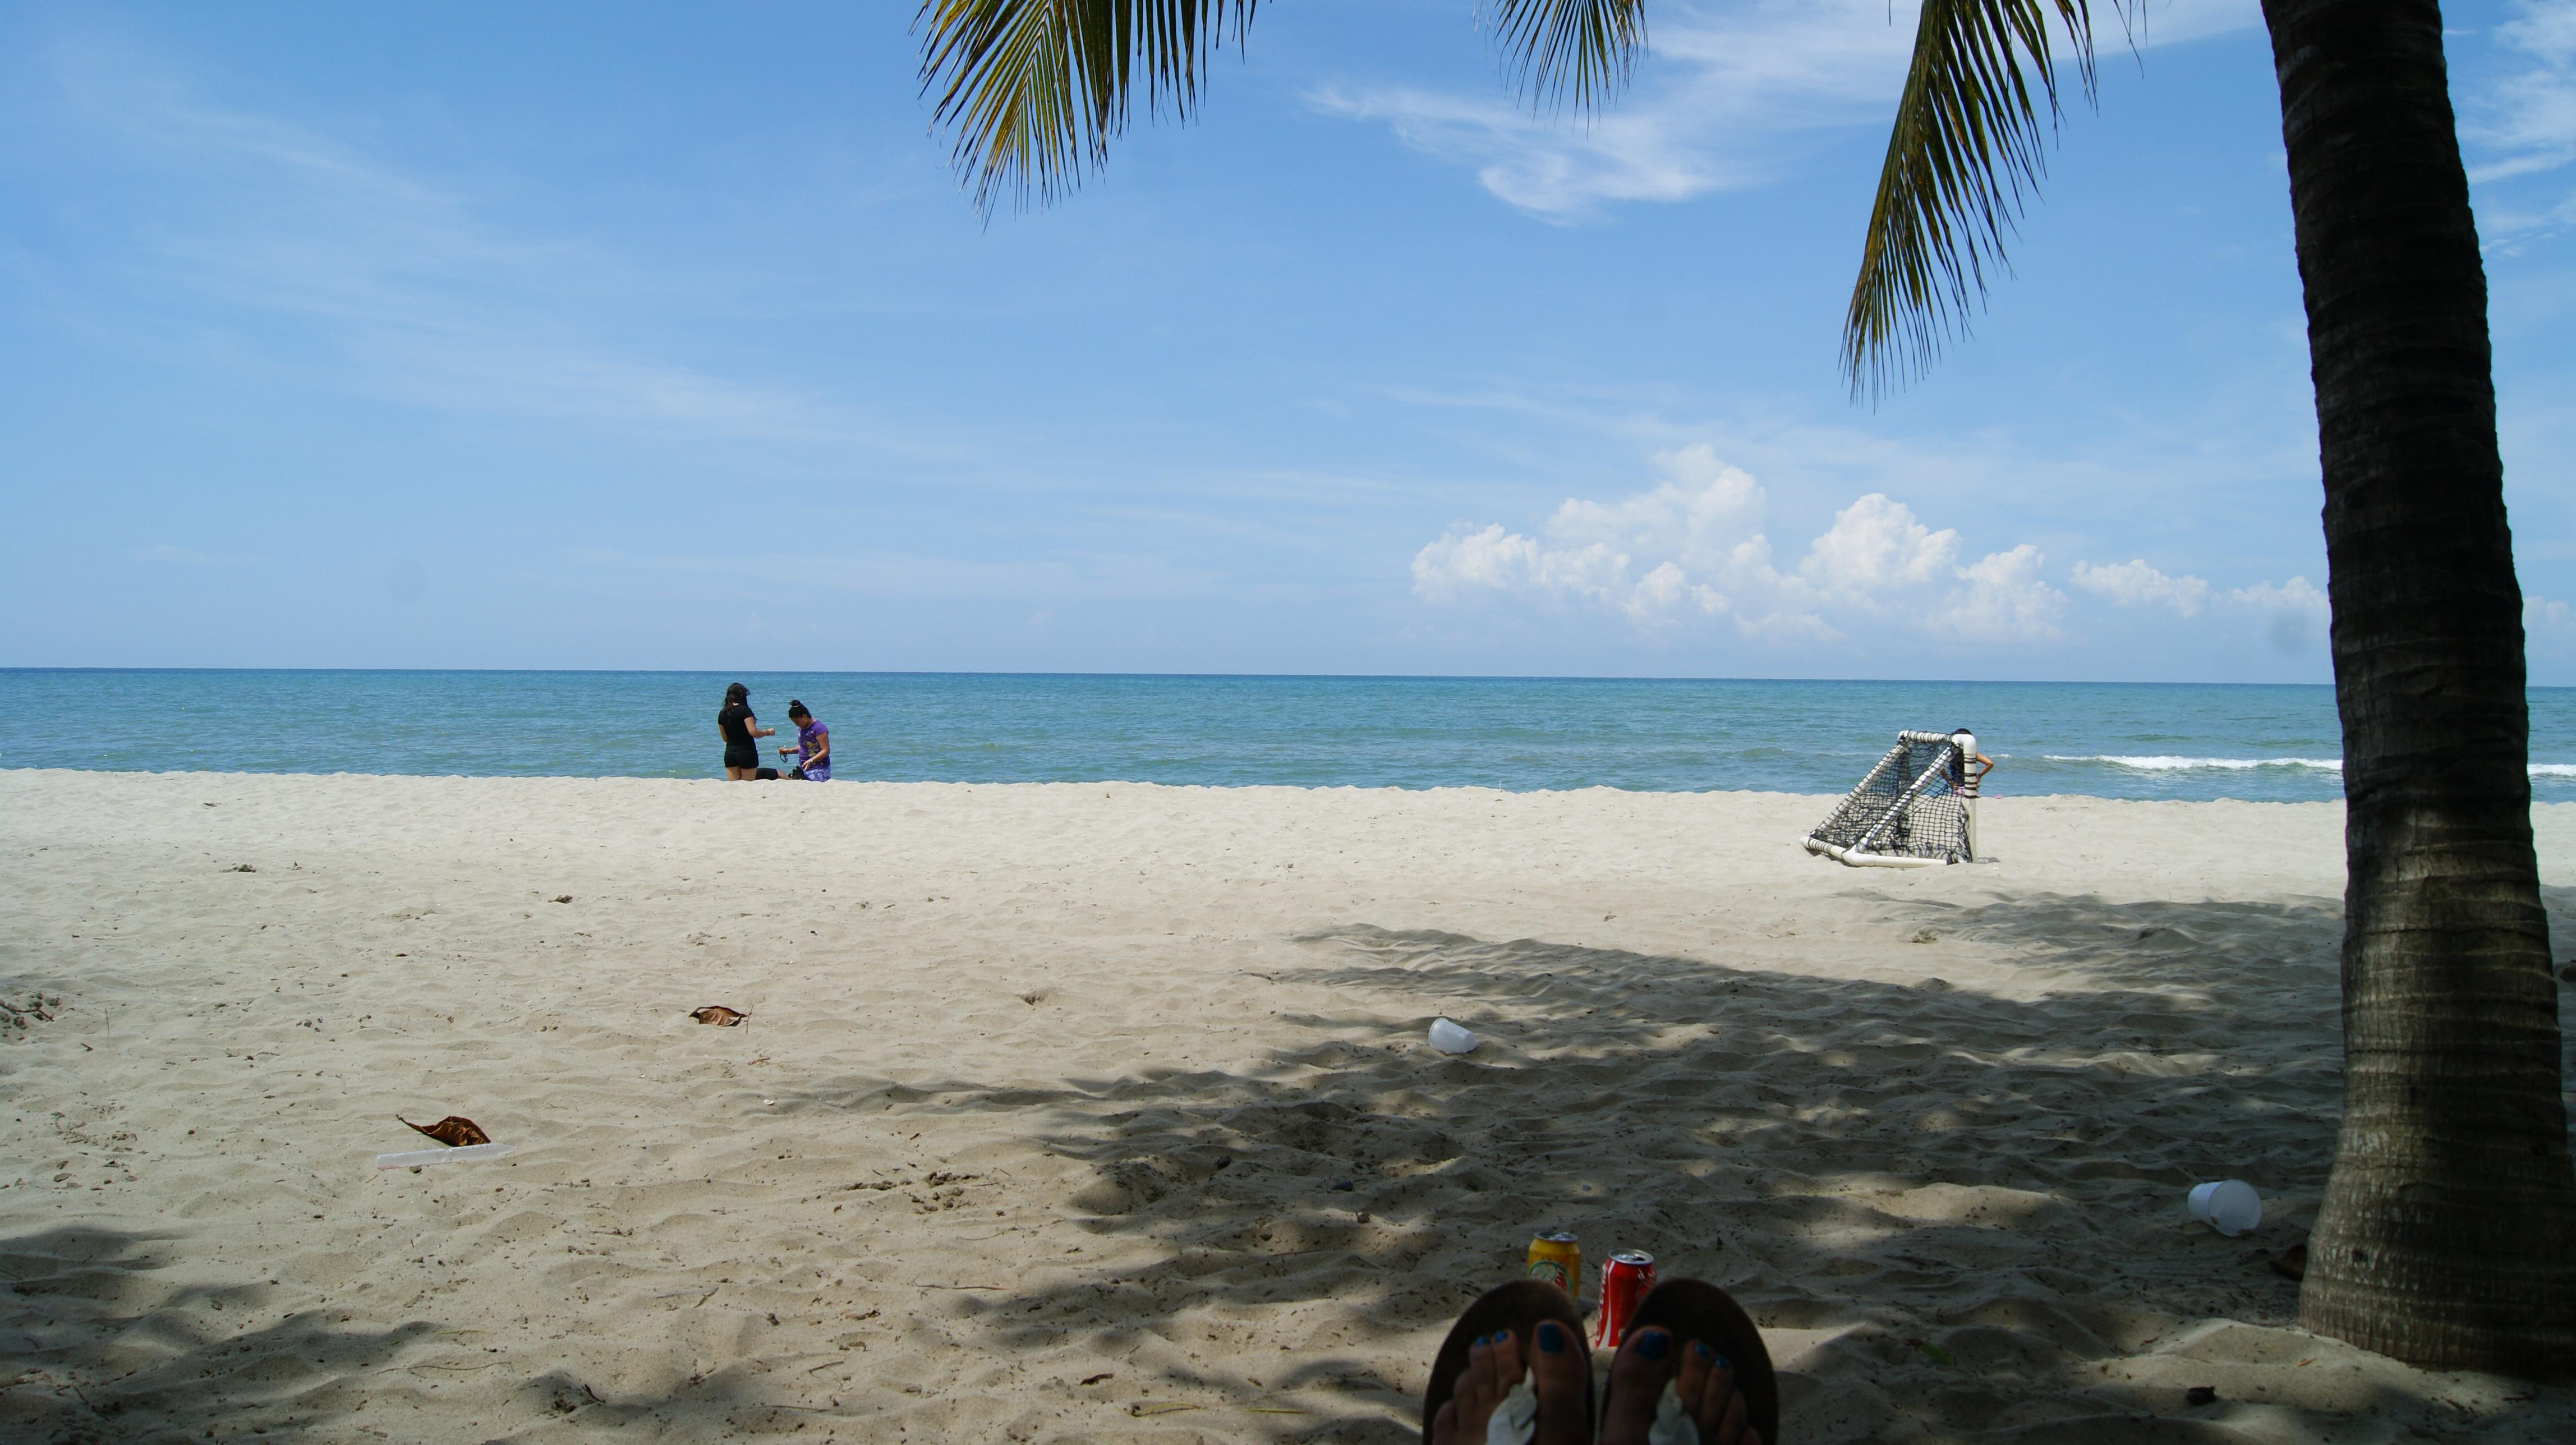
x=612 y=336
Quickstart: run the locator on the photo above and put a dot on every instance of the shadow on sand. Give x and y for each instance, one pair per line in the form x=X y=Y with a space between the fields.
x=1952 y=1212
x=1957 y=1215
x=101 y=1345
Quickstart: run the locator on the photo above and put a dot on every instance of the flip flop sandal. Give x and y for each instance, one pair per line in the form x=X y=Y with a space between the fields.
x=1519 y=1307
x=1690 y=1309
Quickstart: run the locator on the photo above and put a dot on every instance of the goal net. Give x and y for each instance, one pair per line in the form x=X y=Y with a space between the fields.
x=1918 y=807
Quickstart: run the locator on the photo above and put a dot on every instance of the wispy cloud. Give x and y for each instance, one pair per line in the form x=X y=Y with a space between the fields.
x=2292 y=614
x=418 y=288
x=2547 y=625
x=2526 y=120
x=1727 y=100
x=900 y=575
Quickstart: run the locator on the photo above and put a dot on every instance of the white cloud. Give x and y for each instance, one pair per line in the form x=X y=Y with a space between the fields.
x=2135 y=584
x=2294 y=612
x=1875 y=545
x=1465 y=561
x=1667 y=592
x=2544 y=619
x=1717 y=98
x=1695 y=519
x=2004 y=599
x=1691 y=548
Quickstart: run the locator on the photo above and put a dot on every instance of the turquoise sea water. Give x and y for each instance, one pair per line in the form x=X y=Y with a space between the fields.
x=2114 y=740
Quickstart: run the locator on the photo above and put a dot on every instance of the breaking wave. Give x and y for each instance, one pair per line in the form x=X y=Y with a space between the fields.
x=2161 y=763
x=2166 y=764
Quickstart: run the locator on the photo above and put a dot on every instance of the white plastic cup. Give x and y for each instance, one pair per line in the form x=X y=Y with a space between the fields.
x=414 y=1158
x=1449 y=1038
x=2229 y=1206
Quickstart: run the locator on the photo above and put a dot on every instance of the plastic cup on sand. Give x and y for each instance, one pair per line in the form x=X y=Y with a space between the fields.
x=414 y=1158
x=2229 y=1206
x=1449 y=1038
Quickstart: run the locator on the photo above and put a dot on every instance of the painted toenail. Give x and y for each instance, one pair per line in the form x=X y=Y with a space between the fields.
x=1652 y=1344
x=1721 y=1362
x=1703 y=1351
x=1551 y=1338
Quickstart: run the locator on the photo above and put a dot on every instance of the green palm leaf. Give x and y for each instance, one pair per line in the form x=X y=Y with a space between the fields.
x=1965 y=151
x=1035 y=88
x=1586 y=46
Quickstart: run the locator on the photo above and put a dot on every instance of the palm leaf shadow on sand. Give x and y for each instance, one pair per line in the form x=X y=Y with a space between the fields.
x=100 y=1346
x=1999 y=1179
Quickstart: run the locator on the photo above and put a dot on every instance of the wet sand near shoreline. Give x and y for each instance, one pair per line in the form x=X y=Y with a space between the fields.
x=1102 y=1112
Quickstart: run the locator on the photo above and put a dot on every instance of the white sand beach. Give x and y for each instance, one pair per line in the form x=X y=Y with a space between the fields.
x=1103 y=1112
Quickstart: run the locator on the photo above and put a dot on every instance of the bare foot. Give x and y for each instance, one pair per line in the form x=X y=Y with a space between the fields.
x=1497 y=1363
x=1702 y=1379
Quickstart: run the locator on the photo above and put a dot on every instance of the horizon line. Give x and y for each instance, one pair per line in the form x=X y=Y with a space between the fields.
x=1206 y=676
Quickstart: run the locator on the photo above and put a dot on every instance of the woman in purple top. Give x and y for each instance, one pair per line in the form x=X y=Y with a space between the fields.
x=813 y=748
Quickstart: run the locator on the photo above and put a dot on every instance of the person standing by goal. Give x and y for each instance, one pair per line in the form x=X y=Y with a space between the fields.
x=1968 y=768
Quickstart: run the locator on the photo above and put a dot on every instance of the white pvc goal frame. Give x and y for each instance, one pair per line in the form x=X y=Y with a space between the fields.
x=1916 y=809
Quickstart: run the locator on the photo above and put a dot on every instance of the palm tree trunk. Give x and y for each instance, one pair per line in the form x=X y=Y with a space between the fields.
x=2447 y=1235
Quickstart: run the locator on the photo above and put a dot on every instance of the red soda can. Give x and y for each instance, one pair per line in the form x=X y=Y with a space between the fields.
x=1625 y=1278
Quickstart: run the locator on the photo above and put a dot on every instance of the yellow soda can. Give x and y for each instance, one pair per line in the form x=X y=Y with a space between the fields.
x=1554 y=1256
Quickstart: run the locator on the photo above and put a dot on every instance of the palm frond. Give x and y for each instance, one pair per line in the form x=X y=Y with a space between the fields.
x=1965 y=152
x=1586 y=46
x=1035 y=88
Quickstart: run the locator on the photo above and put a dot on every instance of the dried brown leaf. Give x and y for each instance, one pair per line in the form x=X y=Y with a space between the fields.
x=454 y=1131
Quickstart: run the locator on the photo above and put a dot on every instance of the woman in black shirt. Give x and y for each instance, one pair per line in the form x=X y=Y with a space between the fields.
x=739 y=727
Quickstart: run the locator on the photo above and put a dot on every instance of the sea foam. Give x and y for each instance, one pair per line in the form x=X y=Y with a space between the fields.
x=2162 y=763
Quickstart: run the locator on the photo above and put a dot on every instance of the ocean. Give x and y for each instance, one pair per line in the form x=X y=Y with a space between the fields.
x=2116 y=740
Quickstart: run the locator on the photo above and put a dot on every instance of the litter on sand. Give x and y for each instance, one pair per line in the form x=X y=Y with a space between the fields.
x=463 y=1154
x=2229 y=1206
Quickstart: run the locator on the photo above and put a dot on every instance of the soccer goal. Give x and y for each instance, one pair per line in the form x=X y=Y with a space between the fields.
x=1918 y=807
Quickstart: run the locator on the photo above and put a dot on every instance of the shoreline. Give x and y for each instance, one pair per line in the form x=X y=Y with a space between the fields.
x=1822 y=799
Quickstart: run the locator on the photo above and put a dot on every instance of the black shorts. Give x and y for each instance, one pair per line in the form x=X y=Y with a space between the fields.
x=741 y=755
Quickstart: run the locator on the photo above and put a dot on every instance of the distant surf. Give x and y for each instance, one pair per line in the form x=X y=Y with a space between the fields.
x=2161 y=763
x=2164 y=764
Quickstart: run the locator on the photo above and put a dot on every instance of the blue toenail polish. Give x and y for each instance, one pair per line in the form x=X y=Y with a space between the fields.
x=1652 y=1345
x=1704 y=1352
x=1551 y=1338
x=1721 y=1363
